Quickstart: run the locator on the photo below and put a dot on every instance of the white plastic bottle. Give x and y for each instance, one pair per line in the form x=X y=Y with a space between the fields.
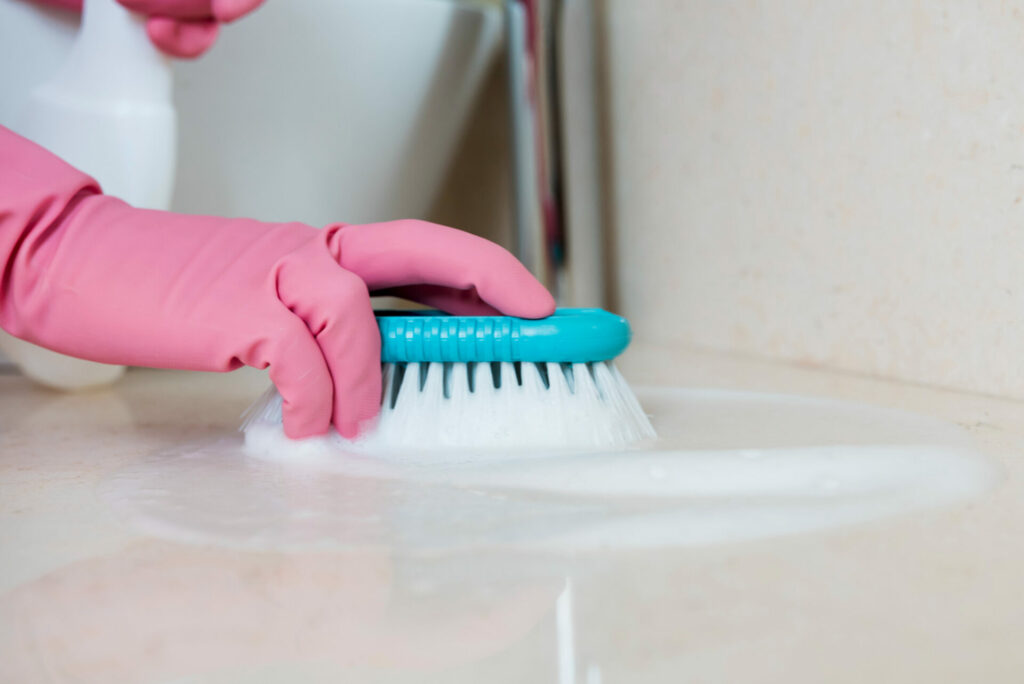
x=108 y=111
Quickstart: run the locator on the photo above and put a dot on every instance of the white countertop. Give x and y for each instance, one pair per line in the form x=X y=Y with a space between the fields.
x=86 y=595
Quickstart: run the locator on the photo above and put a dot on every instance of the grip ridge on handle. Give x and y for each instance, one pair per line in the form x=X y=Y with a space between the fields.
x=570 y=335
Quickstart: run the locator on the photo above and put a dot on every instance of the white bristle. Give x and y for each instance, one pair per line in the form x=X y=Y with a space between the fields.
x=506 y=406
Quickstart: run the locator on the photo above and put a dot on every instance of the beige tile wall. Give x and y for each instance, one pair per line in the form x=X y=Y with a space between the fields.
x=836 y=183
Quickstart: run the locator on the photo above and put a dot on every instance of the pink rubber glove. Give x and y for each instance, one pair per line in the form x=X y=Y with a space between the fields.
x=89 y=276
x=181 y=28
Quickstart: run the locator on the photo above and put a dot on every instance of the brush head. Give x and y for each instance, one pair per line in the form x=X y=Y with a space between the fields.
x=490 y=383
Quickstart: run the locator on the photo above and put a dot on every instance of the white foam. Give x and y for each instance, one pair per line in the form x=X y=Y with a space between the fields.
x=728 y=466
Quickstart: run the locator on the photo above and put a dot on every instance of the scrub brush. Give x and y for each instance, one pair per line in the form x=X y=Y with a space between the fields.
x=492 y=382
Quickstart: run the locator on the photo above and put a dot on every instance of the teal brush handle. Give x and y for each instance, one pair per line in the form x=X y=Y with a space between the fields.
x=570 y=335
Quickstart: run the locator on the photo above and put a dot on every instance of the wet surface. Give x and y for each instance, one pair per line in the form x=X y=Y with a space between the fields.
x=727 y=466
x=141 y=544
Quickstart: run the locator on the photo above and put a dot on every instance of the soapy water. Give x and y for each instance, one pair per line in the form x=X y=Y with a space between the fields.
x=727 y=467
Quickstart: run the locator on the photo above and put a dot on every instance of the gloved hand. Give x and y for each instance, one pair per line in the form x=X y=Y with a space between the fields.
x=89 y=276
x=181 y=28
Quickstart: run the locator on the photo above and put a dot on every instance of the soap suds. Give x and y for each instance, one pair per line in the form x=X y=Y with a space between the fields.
x=728 y=466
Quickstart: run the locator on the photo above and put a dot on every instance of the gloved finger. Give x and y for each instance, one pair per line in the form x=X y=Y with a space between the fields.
x=298 y=370
x=221 y=10
x=335 y=306
x=175 y=9
x=449 y=300
x=398 y=253
x=184 y=39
